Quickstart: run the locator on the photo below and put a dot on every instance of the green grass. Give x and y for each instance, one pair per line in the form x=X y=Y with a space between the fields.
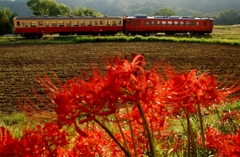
x=16 y=122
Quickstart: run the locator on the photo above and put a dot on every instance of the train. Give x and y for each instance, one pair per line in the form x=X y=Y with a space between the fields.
x=139 y=24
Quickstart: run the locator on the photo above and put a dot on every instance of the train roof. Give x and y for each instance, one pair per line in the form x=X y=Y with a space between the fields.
x=64 y=17
x=144 y=16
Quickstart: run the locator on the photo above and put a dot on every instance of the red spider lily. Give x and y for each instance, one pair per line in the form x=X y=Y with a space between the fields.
x=95 y=144
x=79 y=101
x=223 y=145
x=186 y=90
x=7 y=143
x=230 y=115
x=46 y=141
x=139 y=142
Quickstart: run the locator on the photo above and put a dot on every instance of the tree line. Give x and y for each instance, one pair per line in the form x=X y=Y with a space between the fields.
x=226 y=17
x=52 y=8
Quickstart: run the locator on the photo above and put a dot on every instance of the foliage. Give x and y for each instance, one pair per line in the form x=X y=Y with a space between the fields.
x=6 y=21
x=48 y=7
x=126 y=111
x=227 y=17
x=83 y=11
x=165 y=12
x=214 y=8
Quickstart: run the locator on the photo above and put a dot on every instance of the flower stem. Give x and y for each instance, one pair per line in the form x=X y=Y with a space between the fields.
x=150 y=140
x=112 y=136
x=121 y=131
x=191 y=141
x=202 y=130
x=132 y=135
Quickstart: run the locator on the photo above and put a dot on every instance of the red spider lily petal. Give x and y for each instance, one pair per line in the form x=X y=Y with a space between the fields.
x=140 y=141
x=7 y=143
x=96 y=143
x=42 y=141
x=230 y=116
x=186 y=90
x=53 y=135
x=223 y=144
x=179 y=91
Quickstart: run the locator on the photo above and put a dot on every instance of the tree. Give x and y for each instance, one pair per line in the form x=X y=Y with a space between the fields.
x=227 y=17
x=79 y=11
x=6 y=21
x=48 y=7
x=165 y=12
x=64 y=9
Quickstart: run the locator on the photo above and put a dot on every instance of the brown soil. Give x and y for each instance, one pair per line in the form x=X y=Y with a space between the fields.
x=20 y=64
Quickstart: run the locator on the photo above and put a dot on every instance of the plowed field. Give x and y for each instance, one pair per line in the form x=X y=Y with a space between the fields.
x=20 y=64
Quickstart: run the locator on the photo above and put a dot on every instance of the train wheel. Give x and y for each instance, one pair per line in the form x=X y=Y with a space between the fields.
x=39 y=36
x=169 y=33
x=133 y=34
x=27 y=36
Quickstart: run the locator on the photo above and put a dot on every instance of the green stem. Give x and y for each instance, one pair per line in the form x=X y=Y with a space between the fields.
x=112 y=136
x=122 y=134
x=150 y=140
x=188 y=135
x=132 y=135
x=191 y=140
x=202 y=130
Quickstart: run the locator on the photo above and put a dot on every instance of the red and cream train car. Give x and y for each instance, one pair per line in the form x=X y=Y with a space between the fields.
x=36 y=27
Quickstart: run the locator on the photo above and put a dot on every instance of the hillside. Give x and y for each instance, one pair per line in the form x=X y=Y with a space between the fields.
x=131 y=7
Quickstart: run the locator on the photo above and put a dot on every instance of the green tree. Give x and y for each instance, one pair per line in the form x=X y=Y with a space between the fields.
x=64 y=9
x=165 y=12
x=48 y=7
x=227 y=17
x=79 y=11
x=6 y=21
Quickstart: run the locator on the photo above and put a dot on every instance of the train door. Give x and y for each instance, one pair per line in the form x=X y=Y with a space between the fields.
x=137 y=25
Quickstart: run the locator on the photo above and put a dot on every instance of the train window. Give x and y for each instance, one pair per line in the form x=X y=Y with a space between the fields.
x=205 y=23
x=164 y=23
x=61 y=23
x=96 y=23
x=137 y=23
x=169 y=23
x=146 y=23
x=188 y=23
x=158 y=23
x=68 y=23
x=18 y=23
x=194 y=23
x=75 y=23
x=181 y=23
x=108 y=23
x=40 y=23
x=120 y=22
x=54 y=24
x=47 y=24
x=153 y=23
x=33 y=24
x=175 y=23
x=89 y=23
x=82 y=23
x=114 y=23
x=25 y=24
x=101 y=22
